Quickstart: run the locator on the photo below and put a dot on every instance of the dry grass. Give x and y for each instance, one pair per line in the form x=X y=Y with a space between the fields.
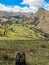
x=37 y=52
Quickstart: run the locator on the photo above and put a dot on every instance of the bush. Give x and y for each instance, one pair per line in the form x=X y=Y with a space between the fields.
x=5 y=57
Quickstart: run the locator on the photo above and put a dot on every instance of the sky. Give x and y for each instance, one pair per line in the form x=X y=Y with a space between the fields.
x=23 y=5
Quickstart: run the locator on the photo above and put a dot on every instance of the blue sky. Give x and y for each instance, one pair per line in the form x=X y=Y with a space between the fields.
x=11 y=2
x=23 y=5
x=47 y=1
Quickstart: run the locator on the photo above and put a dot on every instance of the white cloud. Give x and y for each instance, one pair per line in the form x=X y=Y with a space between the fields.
x=4 y=8
x=34 y=5
x=33 y=2
x=14 y=9
x=8 y=8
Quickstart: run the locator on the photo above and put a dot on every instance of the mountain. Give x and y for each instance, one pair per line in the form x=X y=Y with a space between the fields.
x=12 y=14
x=7 y=17
x=41 y=20
x=17 y=25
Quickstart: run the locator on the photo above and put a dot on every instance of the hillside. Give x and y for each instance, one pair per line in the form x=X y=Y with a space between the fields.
x=24 y=33
x=37 y=52
x=42 y=20
x=24 y=25
x=17 y=31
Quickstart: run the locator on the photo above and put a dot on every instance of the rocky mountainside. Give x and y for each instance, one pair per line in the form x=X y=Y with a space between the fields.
x=42 y=20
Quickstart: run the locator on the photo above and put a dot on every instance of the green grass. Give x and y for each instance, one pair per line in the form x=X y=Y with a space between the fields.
x=23 y=38
x=37 y=52
x=17 y=31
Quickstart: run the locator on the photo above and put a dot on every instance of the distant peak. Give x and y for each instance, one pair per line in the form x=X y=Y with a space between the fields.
x=41 y=9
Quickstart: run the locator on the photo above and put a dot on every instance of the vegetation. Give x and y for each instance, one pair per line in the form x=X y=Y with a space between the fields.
x=37 y=52
x=19 y=33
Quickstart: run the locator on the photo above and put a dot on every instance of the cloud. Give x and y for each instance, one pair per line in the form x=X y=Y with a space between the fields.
x=33 y=2
x=14 y=9
x=9 y=8
x=4 y=8
x=33 y=6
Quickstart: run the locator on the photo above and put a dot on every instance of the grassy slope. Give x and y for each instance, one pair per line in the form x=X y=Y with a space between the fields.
x=20 y=32
x=37 y=52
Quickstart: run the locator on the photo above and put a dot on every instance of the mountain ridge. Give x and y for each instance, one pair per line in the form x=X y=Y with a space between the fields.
x=43 y=21
x=40 y=19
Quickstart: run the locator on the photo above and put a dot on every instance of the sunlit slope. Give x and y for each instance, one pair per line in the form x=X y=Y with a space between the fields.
x=21 y=31
x=43 y=20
